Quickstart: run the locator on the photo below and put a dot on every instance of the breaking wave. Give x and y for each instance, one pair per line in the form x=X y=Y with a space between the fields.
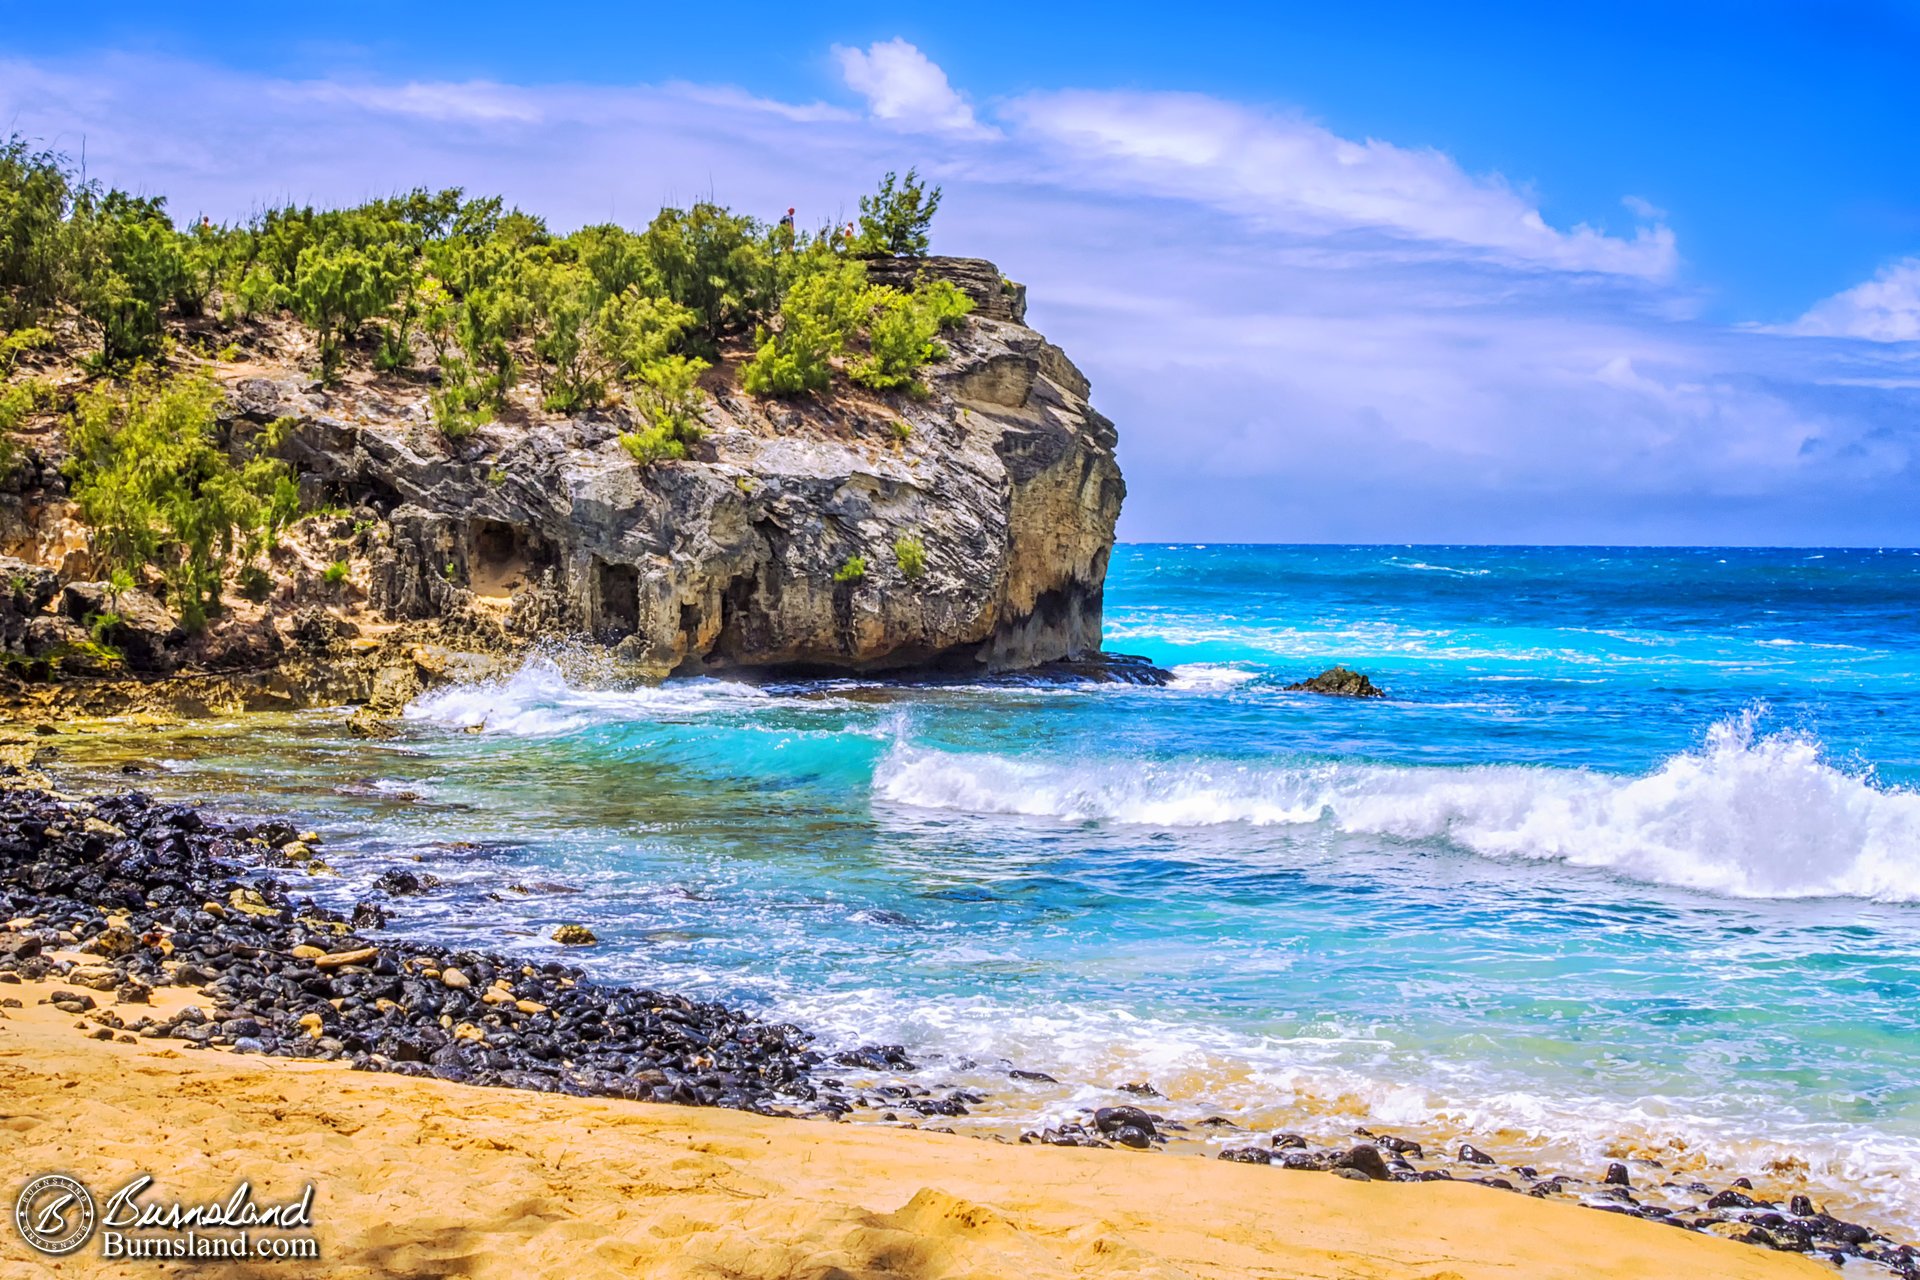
x=1745 y=815
x=540 y=700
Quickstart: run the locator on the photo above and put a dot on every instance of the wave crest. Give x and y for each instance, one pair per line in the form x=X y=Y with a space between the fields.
x=1746 y=815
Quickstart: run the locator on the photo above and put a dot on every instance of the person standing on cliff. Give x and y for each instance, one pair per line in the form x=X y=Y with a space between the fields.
x=785 y=237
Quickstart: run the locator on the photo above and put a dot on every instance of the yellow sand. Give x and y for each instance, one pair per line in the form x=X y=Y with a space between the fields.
x=418 y=1178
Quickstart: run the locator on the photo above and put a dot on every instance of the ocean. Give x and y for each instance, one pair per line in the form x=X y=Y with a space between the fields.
x=1627 y=865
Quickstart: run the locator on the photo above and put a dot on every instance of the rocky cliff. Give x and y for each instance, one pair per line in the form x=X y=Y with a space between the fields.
x=967 y=529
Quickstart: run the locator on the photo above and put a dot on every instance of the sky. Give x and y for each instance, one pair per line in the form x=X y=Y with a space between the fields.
x=1640 y=273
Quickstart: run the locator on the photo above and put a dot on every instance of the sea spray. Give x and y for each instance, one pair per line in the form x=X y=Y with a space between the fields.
x=1747 y=814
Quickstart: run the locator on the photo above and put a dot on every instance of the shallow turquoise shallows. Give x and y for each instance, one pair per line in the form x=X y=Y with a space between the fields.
x=1630 y=860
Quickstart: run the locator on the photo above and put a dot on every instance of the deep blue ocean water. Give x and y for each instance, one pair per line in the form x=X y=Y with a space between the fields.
x=1629 y=862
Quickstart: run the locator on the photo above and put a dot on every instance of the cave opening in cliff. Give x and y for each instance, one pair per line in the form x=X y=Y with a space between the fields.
x=619 y=598
x=503 y=558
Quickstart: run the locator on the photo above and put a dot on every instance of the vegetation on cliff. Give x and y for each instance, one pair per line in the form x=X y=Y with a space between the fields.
x=484 y=294
x=466 y=296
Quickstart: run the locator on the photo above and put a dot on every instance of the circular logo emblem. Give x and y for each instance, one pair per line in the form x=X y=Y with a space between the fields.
x=55 y=1214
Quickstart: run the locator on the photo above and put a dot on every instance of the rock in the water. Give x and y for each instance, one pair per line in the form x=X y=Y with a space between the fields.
x=1367 y=1159
x=1111 y=1120
x=1339 y=682
x=574 y=935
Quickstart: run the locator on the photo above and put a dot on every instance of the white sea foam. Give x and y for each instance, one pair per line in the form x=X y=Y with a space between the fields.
x=1337 y=1075
x=1423 y=566
x=1210 y=677
x=1746 y=815
x=539 y=700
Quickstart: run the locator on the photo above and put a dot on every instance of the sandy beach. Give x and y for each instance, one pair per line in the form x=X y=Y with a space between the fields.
x=428 y=1179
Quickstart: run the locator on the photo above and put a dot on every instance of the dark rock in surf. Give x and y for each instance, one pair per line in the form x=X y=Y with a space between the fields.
x=1111 y=1120
x=1339 y=682
x=1366 y=1159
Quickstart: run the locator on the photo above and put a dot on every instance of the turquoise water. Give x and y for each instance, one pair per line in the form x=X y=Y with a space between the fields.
x=1630 y=861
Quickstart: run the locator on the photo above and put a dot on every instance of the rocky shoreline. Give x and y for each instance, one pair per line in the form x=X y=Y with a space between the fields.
x=116 y=897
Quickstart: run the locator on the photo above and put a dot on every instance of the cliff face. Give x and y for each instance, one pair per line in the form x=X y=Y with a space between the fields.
x=1004 y=475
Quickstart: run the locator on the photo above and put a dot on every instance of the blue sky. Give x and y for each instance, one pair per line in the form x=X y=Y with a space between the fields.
x=1636 y=273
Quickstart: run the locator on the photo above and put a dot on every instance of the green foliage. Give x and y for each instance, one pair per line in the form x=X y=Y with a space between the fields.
x=150 y=476
x=894 y=220
x=902 y=430
x=911 y=555
x=651 y=444
x=854 y=570
x=13 y=345
x=901 y=336
x=822 y=309
x=337 y=288
x=18 y=402
x=562 y=299
x=635 y=330
x=36 y=194
x=718 y=265
x=668 y=397
x=131 y=263
x=335 y=573
x=486 y=288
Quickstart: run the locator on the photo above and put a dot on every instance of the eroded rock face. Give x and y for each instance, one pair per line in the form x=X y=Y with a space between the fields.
x=1004 y=475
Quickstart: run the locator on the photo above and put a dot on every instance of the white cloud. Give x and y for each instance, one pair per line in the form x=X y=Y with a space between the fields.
x=1286 y=171
x=1883 y=309
x=1300 y=336
x=474 y=102
x=906 y=88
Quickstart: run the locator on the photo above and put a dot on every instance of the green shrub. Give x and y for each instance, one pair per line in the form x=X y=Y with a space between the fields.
x=821 y=311
x=36 y=195
x=652 y=444
x=18 y=402
x=669 y=395
x=129 y=264
x=561 y=302
x=902 y=430
x=911 y=555
x=634 y=330
x=149 y=475
x=717 y=264
x=894 y=220
x=335 y=573
x=901 y=337
x=854 y=570
x=336 y=289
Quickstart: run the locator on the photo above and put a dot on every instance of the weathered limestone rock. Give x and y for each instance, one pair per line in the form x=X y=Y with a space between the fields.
x=994 y=296
x=141 y=628
x=1004 y=474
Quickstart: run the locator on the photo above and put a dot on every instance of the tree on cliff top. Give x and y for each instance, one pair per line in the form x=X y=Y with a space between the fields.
x=894 y=219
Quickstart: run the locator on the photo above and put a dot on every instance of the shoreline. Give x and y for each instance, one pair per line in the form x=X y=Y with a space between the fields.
x=276 y=947
x=425 y=1178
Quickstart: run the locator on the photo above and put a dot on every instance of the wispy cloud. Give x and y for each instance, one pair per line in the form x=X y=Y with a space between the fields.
x=1301 y=335
x=1883 y=309
x=1287 y=171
